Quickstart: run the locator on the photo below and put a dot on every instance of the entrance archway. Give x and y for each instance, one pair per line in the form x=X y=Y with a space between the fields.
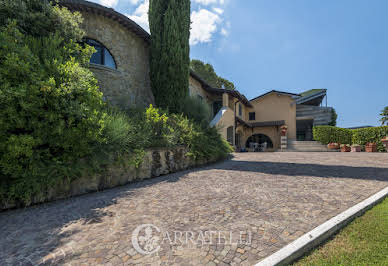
x=260 y=139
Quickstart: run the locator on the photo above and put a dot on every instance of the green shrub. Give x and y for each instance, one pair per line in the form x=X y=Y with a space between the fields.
x=373 y=134
x=334 y=117
x=196 y=109
x=328 y=134
x=53 y=122
x=52 y=111
x=172 y=130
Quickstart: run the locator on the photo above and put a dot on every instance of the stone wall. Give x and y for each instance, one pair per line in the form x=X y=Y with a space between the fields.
x=129 y=85
x=155 y=163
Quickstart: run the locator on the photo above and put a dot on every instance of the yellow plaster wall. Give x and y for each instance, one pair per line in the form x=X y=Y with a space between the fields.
x=274 y=107
x=226 y=121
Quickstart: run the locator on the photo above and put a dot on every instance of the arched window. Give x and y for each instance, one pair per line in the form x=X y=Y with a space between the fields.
x=102 y=56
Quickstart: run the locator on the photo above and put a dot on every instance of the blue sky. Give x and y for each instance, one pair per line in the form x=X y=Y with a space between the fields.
x=293 y=46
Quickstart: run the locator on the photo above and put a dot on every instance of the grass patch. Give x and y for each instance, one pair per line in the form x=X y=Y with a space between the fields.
x=363 y=242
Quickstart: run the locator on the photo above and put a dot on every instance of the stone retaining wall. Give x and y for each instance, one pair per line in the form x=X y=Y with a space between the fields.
x=156 y=162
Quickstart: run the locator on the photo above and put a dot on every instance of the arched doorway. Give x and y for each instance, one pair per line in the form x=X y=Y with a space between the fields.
x=260 y=139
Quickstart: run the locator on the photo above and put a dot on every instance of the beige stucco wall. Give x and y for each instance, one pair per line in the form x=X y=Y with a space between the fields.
x=275 y=107
x=129 y=85
x=226 y=121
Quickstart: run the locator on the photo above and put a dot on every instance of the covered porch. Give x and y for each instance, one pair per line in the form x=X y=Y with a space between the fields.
x=265 y=134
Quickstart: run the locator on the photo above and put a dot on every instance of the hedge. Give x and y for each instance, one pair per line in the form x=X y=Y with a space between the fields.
x=328 y=134
x=372 y=134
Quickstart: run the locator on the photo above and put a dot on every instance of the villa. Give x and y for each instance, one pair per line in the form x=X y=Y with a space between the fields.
x=121 y=65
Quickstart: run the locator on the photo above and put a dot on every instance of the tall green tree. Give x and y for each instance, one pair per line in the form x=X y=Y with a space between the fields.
x=170 y=52
x=384 y=114
x=207 y=73
x=334 y=117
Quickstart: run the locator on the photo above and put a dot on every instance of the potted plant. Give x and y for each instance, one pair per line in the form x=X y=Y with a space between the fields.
x=345 y=148
x=333 y=146
x=356 y=148
x=283 y=130
x=385 y=142
x=371 y=147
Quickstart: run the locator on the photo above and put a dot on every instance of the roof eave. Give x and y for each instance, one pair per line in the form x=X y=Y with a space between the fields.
x=82 y=5
x=278 y=92
x=310 y=97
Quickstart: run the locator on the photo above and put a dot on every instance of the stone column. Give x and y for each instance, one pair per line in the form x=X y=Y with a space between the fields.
x=283 y=138
x=283 y=143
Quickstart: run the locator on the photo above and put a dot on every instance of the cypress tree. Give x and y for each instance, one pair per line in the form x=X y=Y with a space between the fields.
x=170 y=52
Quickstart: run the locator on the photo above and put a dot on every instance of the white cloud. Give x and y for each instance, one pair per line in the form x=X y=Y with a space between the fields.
x=134 y=2
x=140 y=16
x=204 y=24
x=208 y=2
x=218 y=10
x=109 y=3
x=225 y=29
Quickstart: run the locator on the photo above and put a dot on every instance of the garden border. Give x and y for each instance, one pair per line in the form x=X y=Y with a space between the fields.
x=156 y=162
x=318 y=235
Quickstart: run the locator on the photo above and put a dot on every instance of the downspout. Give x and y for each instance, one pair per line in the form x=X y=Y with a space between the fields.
x=235 y=124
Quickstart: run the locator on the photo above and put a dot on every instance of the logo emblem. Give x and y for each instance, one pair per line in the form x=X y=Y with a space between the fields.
x=145 y=239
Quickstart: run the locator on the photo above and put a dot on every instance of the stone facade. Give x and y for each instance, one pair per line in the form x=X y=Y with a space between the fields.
x=129 y=84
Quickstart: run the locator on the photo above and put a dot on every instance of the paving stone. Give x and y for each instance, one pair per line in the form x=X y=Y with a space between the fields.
x=276 y=196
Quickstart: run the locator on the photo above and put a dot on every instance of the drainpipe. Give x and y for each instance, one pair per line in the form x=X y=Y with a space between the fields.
x=235 y=124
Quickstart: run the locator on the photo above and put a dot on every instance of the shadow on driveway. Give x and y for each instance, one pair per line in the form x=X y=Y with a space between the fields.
x=302 y=169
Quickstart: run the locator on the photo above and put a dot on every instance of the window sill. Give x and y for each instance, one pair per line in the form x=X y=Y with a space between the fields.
x=105 y=68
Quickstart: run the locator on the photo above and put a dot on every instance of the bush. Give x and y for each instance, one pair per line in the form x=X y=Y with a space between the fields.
x=196 y=109
x=160 y=129
x=363 y=136
x=334 y=117
x=53 y=122
x=52 y=111
x=328 y=134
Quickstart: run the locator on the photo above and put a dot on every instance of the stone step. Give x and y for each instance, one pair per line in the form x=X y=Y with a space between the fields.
x=296 y=142
x=307 y=146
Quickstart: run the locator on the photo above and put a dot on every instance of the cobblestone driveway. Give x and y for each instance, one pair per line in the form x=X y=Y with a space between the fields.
x=273 y=198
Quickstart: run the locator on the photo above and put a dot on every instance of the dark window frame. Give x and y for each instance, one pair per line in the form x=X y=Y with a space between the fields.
x=229 y=134
x=239 y=109
x=103 y=49
x=252 y=116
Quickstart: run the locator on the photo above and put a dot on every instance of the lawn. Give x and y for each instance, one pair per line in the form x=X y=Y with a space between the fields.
x=362 y=242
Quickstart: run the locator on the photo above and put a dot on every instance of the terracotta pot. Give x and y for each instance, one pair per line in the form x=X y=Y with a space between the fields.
x=371 y=147
x=333 y=146
x=356 y=148
x=283 y=131
x=345 y=149
x=385 y=143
